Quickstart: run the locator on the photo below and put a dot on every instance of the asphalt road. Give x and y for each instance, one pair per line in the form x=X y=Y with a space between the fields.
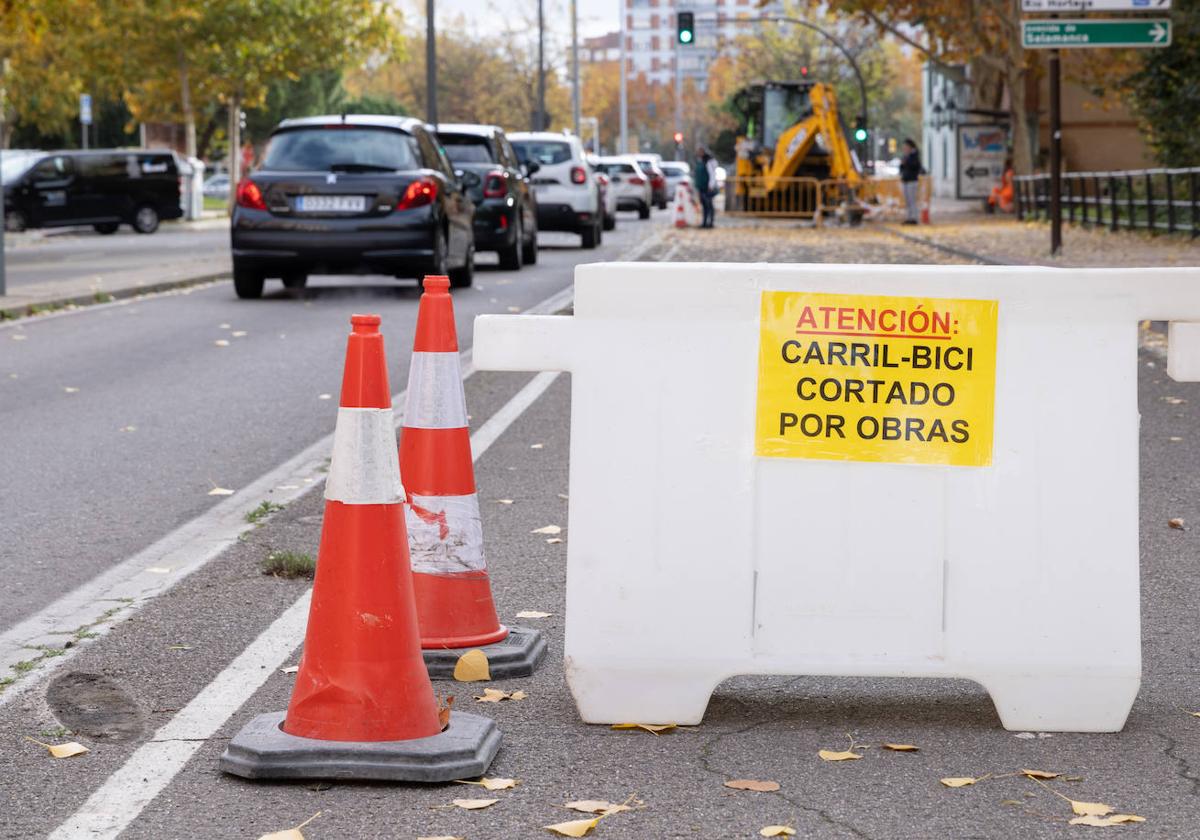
x=116 y=421
x=174 y=251
x=767 y=728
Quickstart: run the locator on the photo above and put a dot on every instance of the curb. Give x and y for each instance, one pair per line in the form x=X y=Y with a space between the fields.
x=949 y=249
x=98 y=297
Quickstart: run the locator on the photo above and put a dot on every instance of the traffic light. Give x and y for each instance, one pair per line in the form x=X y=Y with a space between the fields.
x=860 y=130
x=687 y=27
x=678 y=138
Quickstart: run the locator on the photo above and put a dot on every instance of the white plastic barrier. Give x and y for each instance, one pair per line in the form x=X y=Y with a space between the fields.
x=1009 y=557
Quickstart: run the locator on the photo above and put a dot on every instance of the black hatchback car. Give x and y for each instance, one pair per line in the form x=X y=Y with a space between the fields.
x=505 y=209
x=351 y=194
x=103 y=188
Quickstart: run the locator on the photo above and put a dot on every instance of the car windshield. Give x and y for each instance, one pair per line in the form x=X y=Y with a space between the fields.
x=673 y=170
x=12 y=167
x=322 y=149
x=544 y=152
x=464 y=148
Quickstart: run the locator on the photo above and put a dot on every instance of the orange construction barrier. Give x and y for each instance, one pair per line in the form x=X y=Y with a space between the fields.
x=680 y=207
x=455 y=610
x=363 y=705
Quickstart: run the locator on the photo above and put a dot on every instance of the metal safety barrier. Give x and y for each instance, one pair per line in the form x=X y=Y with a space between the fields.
x=887 y=196
x=796 y=198
x=1142 y=199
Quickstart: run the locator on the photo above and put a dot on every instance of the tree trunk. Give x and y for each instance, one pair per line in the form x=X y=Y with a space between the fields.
x=235 y=146
x=206 y=136
x=1016 y=71
x=189 y=117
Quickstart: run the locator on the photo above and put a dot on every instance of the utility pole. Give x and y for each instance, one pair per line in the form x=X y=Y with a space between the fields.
x=624 y=142
x=3 y=106
x=431 y=115
x=678 y=86
x=575 y=97
x=1055 y=155
x=540 y=123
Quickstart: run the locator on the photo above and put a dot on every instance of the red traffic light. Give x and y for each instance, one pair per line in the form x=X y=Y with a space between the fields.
x=678 y=138
x=804 y=70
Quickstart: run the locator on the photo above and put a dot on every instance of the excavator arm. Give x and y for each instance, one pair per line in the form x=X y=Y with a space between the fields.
x=795 y=144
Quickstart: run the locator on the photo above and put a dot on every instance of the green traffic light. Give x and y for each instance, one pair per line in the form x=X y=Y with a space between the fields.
x=860 y=134
x=685 y=37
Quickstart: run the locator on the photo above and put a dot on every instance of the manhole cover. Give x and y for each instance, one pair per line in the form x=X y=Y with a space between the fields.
x=96 y=706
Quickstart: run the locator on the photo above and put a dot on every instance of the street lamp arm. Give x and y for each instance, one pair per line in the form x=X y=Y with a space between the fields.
x=862 y=85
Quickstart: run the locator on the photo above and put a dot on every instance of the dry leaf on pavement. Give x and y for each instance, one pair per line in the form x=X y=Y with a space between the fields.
x=1090 y=809
x=504 y=501
x=221 y=342
x=776 y=831
x=290 y=833
x=535 y=446
x=70 y=389
x=902 y=747
x=533 y=614
x=1103 y=822
x=1039 y=774
x=597 y=806
x=960 y=781
x=648 y=727
x=548 y=529
x=573 y=828
x=1176 y=523
x=495 y=695
x=491 y=784
x=238 y=333
x=752 y=784
x=444 y=712
x=554 y=541
x=220 y=491
x=844 y=755
x=472 y=666
x=474 y=804
x=67 y=750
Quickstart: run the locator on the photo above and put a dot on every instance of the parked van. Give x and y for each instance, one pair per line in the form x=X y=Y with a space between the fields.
x=104 y=189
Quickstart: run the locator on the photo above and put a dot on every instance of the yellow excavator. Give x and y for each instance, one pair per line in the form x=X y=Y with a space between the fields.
x=791 y=131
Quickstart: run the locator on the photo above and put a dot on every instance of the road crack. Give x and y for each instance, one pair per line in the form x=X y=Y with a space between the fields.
x=1183 y=768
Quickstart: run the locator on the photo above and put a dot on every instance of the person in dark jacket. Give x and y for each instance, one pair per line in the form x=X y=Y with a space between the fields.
x=704 y=177
x=910 y=177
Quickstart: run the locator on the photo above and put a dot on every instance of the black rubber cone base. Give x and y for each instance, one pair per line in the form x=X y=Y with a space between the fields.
x=517 y=655
x=262 y=750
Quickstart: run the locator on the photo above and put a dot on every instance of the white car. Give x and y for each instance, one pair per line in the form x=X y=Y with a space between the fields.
x=568 y=198
x=629 y=183
x=677 y=172
x=607 y=190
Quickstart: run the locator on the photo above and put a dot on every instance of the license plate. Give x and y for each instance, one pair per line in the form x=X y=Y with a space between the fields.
x=331 y=204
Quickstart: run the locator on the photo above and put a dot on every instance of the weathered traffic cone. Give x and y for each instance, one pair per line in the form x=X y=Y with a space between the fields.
x=680 y=207
x=445 y=533
x=363 y=706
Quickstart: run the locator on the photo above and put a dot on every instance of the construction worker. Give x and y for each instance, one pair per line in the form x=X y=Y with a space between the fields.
x=1002 y=194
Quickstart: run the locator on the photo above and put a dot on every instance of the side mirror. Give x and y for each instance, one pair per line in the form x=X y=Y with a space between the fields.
x=532 y=167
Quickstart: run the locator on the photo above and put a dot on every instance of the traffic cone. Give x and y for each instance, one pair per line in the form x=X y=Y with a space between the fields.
x=363 y=706
x=445 y=533
x=680 y=207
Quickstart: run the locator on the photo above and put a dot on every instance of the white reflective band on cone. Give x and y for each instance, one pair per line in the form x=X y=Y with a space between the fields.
x=435 y=393
x=365 y=469
x=445 y=534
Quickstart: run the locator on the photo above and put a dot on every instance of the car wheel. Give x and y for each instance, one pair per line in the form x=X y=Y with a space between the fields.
x=441 y=249
x=461 y=278
x=145 y=219
x=643 y=211
x=106 y=228
x=530 y=249
x=247 y=282
x=510 y=257
x=295 y=280
x=15 y=221
x=591 y=235
x=610 y=221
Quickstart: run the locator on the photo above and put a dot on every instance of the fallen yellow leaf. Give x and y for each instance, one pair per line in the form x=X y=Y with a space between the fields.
x=474 y=804
x=220 y=342
x=67 y=750
x=1194 y=714
x=573 y=828
x=1090 y=809
x=1102 y=822
x=958 y=781
x=290 y=833
x=553 y=541
x=495 y=695
x=901 y=748
x=504 y=501
x=70 y=389
x=491 y=784
x=776 y=831
x=533 y=614
x=444 y=712
x=535 y=446
x=220 y=491
x=238 y=333
x=548 y=529
x=1039 y=774
x=831 y=755
x=752 y=784
x=472 y=666
x=597 y=806
x=1176 y=523
x=649 y=727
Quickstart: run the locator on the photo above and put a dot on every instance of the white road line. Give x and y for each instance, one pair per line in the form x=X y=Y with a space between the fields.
x=118 y=802
x=132 y=583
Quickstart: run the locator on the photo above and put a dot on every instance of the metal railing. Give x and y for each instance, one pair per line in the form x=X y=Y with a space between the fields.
x=797 y=198
x=1144 y=199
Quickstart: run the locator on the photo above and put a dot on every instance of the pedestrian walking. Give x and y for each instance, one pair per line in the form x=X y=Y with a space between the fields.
x=705 y=178
x=910 y=178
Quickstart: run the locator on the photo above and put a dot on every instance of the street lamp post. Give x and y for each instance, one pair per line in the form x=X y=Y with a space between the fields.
x=540 y=123
x=431 y=115
x=624 y=147
x=575 y=92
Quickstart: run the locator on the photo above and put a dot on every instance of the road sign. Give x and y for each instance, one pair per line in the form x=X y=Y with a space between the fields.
x=1095 y=5
x=1066 y=34
x=982 y=150
x=85 y=108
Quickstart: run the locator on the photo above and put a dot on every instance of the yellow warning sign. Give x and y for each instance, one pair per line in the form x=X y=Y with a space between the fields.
x=873 y=378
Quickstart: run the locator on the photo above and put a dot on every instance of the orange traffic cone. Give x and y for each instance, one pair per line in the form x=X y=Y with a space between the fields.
x=680 y=207
x=445 y=533
x=363 y=706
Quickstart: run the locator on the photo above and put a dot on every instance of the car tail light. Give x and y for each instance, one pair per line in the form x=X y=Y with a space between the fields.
x=578 y=175
x=637 y=179
x=249 y=195
x=495 y=185
x=419 y=193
